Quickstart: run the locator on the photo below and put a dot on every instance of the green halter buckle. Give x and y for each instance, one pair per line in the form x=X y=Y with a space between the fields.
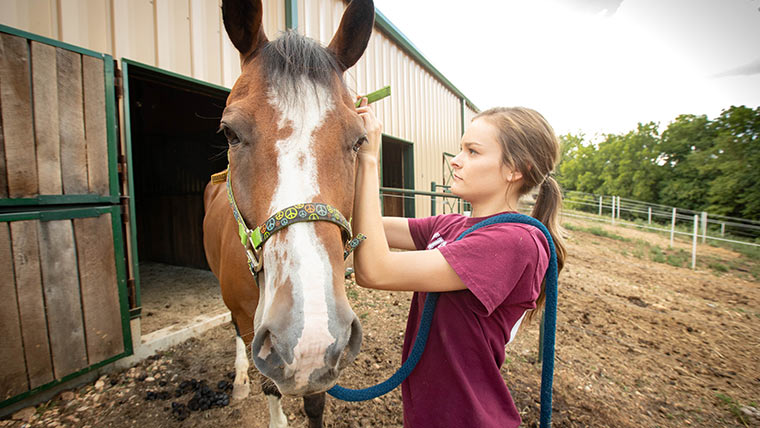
x=254 y=239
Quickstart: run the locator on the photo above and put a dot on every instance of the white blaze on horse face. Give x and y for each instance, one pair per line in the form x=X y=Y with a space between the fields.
x=295 y=253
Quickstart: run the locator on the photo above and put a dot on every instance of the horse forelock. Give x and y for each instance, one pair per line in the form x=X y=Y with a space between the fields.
x=292 y=57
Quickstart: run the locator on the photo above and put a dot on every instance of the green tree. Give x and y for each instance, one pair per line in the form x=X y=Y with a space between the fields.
x=630 y=163
x=695 y=163
x=579 y=166
x=735 y=161
x=685 y=149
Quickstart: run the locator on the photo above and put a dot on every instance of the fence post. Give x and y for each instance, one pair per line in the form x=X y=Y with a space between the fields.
x=723 y=230
x=694 y=243
x=600 y=205
x=432 y=198
x=672 y=228
x=704 y=227
x=613 y=210
x=618 y=207
x=650 y=215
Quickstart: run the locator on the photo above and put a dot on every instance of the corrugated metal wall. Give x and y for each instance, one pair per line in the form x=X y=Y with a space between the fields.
x=183 y=36
x=188 y=37
x=421 y=109
x=469 y=113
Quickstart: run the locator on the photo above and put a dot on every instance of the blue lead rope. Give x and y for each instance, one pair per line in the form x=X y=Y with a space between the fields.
x=550 y=324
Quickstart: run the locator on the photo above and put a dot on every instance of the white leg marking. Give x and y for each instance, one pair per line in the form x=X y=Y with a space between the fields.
x=241 y=387
x=277 y=418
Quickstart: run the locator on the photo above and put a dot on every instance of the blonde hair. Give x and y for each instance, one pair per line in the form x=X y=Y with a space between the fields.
x=530 y=146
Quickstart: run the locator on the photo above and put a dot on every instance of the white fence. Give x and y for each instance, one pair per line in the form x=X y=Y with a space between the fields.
x=677 y=222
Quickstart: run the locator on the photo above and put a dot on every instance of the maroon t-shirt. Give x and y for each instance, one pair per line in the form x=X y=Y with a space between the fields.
x=457 y=382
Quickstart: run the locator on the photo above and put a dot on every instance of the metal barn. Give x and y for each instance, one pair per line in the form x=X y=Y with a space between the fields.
x=108 y=113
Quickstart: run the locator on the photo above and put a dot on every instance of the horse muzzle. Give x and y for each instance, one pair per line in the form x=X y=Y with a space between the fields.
x=301 y=365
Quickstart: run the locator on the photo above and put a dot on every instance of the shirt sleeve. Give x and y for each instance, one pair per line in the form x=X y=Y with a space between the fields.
x=493 y=260
x=421 y=230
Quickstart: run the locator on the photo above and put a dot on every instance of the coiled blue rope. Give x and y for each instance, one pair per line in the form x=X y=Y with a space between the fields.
x=550 y=323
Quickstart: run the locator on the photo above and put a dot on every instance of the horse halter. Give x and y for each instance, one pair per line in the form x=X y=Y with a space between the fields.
x=254 y=239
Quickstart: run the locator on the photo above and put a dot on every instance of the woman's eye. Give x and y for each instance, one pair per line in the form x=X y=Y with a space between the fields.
x=472 y=152
x=358 y=143
x=232 y=138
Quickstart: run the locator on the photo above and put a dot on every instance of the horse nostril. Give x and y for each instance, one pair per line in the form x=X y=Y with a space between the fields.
x=261 y=347
x=354 y=344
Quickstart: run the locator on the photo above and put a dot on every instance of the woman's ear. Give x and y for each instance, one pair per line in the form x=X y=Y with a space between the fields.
x=511 y=175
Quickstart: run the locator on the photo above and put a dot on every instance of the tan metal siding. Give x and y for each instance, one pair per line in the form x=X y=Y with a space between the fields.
x=36 y=16
x=421 y=109
x=134 y=31
x=468 y=115
x=183 y=36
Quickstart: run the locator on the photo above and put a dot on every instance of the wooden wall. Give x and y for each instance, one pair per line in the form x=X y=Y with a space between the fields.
x=59 y=300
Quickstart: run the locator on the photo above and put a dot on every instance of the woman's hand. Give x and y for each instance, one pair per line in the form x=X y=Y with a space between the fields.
x=374 y=128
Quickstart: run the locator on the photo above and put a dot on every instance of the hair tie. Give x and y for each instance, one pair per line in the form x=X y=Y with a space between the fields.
x=547 y=177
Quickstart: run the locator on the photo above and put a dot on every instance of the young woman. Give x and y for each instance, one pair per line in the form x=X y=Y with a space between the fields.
x=491 y=278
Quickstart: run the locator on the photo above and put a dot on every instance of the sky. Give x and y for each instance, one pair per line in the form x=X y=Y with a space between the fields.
x=592 y=66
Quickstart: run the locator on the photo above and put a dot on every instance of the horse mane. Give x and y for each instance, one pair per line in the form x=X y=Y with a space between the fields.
x=292 y=56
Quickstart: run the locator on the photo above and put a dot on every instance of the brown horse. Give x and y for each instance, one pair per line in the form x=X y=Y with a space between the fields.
x=293 y=134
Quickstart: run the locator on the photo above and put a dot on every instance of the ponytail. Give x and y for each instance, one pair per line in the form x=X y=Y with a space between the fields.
x=529 y=145
x=546 y=210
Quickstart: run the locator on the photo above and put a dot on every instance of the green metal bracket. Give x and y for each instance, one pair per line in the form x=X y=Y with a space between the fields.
x=291 y=14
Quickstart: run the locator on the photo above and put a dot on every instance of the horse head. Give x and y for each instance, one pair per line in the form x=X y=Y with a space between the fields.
x=293 y=135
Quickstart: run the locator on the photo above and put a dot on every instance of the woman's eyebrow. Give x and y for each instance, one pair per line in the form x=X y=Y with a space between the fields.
x=471 y=143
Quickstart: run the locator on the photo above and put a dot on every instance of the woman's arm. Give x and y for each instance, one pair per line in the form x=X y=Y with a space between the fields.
x=376 y=266
x=398 y=234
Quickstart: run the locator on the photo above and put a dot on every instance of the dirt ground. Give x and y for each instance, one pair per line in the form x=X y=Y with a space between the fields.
x=174 y=295
x=640 y=343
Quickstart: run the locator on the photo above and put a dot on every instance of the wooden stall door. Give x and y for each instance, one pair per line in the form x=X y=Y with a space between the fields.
x=63 y=307
x=55 y=143
x=60 y=302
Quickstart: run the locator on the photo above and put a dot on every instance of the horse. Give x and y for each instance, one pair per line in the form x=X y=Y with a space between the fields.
x=293 y=136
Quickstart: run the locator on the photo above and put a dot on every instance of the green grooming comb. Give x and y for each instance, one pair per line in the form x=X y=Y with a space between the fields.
x=375 y=96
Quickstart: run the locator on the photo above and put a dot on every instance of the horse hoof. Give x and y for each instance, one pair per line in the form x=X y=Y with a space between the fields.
x=240 y=391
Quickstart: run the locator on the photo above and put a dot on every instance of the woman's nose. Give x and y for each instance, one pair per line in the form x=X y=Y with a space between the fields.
x=455 y=161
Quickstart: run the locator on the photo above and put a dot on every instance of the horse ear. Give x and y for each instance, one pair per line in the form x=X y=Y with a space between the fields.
x=242 y=20
x=352 y=36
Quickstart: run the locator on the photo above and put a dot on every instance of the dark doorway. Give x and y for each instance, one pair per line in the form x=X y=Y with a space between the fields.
x=397 y=173
x=175 y=149
x=172 y=123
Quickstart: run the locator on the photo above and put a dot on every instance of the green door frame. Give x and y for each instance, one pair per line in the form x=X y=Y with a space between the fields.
x=145 y=71
x=408 y=157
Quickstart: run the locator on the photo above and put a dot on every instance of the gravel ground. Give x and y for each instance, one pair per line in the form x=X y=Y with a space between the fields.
x=639 y=343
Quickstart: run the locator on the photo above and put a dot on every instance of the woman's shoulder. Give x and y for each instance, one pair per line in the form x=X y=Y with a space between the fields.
x=515 y=236
x=440 y=220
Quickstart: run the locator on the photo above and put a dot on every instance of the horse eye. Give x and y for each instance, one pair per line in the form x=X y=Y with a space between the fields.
x=232 y=138
x=359 y=142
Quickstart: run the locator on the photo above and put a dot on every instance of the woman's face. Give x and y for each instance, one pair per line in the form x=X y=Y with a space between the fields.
x=479 y=172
